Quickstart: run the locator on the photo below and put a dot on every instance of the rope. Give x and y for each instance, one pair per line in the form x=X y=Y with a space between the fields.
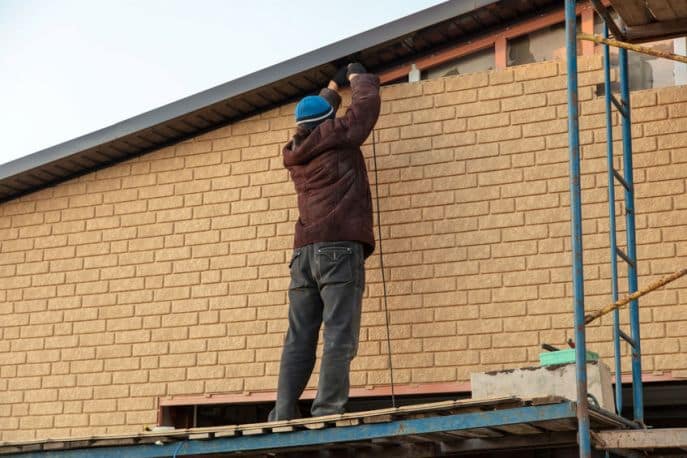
x=636 y=295
x=381 y=264
x=632 y=47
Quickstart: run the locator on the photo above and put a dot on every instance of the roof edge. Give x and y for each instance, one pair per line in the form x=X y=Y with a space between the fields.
x=252 y=81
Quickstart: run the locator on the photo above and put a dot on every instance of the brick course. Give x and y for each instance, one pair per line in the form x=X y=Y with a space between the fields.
x=166 y=274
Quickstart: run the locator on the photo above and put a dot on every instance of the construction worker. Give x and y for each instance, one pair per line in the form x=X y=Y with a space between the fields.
x=333 y=238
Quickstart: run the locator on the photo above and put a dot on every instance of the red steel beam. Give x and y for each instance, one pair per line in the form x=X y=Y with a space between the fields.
x=501 y=53
x=587 y=27
x=265 y=396
x=423 y=388
x=464 y=49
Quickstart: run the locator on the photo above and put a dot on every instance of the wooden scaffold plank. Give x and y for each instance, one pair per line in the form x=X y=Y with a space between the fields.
x=642 y=439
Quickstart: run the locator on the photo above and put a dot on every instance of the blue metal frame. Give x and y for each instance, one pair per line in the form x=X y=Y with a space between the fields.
x=305 y=438
x=637 y=396
x=611 y=228
x=630 y=255
x=626 y=180
x=584 y=437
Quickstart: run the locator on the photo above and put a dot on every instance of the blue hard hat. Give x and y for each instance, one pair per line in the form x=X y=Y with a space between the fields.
x=313 y=108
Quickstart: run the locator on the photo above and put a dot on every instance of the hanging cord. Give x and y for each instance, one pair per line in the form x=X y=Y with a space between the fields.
x=381 y=264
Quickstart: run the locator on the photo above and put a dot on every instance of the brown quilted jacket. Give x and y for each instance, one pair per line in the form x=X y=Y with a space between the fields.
x=329 y=173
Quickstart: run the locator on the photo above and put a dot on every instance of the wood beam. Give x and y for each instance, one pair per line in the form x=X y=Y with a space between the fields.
x=633 y=12
x=642 y=439
x=655 y=31
x=661 y=9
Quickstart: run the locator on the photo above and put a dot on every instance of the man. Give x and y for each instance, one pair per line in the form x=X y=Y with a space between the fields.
x=333 y=239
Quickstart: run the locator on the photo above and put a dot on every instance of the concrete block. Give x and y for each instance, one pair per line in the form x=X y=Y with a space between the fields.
x=539 y=381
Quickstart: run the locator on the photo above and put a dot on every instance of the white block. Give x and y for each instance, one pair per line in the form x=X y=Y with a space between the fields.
x=541 y=381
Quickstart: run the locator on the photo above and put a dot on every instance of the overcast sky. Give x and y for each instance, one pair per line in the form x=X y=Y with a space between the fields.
x=69 y=67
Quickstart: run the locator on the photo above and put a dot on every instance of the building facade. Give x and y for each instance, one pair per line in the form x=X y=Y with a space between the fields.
x=165 y=276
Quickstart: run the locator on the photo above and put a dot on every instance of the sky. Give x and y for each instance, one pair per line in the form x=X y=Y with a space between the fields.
x=69 y=67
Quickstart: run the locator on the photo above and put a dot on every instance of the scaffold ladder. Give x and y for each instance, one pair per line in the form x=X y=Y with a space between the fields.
x=629 y=256
x=624 y=178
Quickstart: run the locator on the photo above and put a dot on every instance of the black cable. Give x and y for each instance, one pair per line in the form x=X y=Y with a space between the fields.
x=381 y=264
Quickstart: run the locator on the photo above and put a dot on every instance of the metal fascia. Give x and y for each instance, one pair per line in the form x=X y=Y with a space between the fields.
x=244 y=84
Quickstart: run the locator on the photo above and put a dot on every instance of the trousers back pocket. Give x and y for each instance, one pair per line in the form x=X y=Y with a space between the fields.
x=334 y=264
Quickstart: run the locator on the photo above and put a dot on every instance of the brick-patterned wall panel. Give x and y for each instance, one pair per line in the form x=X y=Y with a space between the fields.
x=166 y=274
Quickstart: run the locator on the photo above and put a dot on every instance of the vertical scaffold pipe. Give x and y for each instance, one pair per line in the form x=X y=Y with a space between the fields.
x=637 y=393
x=584 y=437
x=611 y=226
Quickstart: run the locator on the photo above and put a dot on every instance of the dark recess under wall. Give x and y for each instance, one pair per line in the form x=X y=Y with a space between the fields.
x=189 y=416
x=665 y=405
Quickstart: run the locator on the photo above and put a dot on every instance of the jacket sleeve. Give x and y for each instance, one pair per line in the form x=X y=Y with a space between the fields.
x=362 y=115
x=332 y=97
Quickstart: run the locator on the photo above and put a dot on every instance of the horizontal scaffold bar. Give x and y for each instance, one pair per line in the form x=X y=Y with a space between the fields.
x=621 y=180
x=624 y=257
x=627 y=338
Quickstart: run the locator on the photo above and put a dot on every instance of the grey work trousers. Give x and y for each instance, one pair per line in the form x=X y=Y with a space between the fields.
x=327 y=282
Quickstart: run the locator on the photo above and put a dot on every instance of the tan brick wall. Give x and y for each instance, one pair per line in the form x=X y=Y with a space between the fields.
x=166 y=274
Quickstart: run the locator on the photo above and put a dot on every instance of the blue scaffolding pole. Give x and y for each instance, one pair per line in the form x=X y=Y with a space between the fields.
x=611 y=226
x=584 y=436
x=629 y=256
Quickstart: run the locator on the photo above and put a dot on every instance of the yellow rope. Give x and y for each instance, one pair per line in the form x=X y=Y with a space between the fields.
x=631 y=47
x=637 y=294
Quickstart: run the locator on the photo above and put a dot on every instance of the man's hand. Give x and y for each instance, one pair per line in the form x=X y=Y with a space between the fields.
x=354 y=70
x=340 y=78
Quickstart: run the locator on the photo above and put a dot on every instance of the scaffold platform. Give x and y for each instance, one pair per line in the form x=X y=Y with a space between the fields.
x=477 y=427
